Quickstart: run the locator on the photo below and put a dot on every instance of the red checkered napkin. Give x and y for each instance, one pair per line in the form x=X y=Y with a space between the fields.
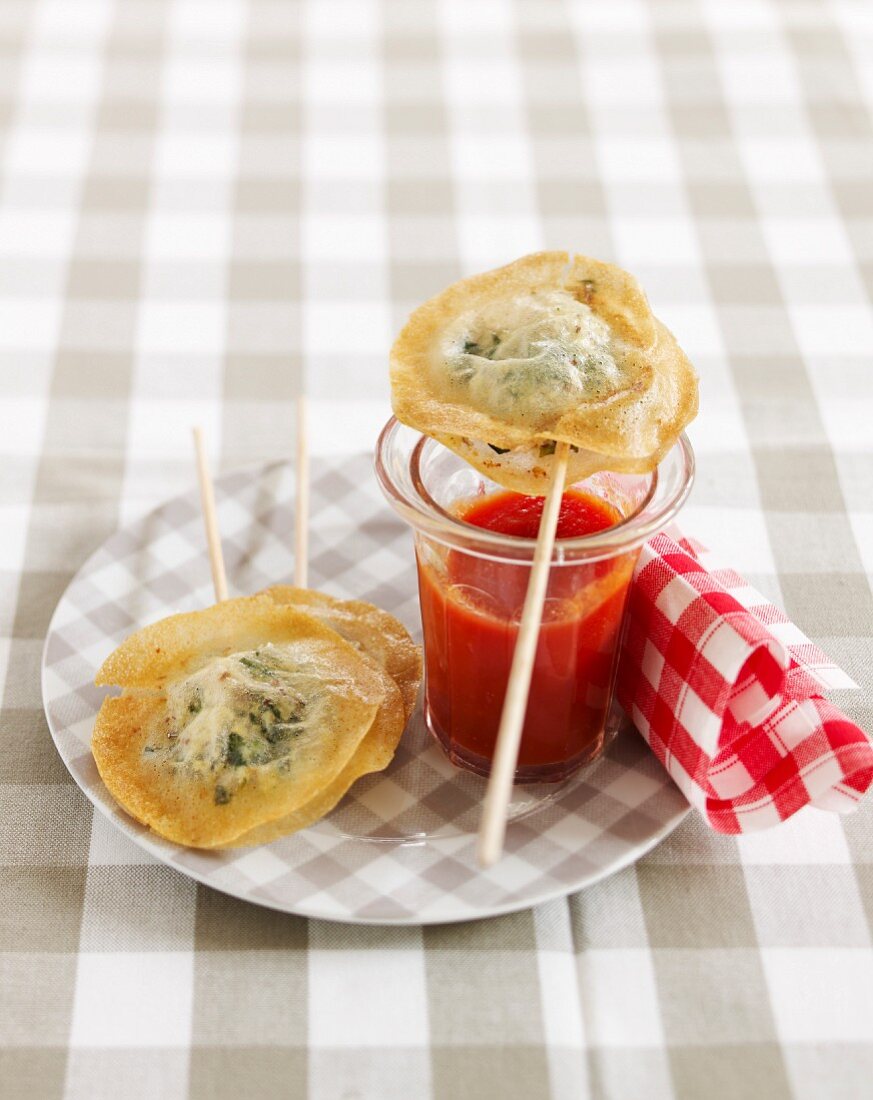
x=728 y=694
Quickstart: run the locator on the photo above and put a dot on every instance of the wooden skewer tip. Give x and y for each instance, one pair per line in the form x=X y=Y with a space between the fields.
x=301 y=508
x=210 y=518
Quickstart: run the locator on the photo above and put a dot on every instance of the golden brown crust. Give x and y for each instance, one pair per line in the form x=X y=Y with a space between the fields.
x=179 y=801
x=630 y=429
x=374 y=754
x=175 y=646
x=384 y=641
x=122 y=729
x=373 y=631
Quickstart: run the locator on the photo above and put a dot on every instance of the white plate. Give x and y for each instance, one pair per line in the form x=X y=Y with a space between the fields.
x=400 y=848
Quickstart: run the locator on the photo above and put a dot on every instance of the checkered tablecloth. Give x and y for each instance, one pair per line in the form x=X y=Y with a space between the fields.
x=202 y=202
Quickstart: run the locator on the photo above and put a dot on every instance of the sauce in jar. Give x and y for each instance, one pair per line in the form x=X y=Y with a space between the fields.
x=471 y=606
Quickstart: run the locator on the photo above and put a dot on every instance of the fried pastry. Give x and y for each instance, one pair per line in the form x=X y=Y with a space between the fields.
x=375 y=633
x=383 y=642
x=501 y=366
x=233 y=717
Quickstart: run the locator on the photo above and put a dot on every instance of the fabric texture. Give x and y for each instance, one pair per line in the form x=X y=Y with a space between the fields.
x=204 y=203
x=735 y=715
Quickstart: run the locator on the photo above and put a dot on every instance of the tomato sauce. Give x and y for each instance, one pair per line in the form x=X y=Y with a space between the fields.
x=470 y=609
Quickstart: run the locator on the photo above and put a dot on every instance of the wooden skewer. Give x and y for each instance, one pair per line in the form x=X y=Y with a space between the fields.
x=301 y=509
x=492 y=828
x=210 y=519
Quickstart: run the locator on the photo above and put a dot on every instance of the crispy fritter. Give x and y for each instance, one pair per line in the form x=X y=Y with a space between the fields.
x=233 y=717
x=502 y=365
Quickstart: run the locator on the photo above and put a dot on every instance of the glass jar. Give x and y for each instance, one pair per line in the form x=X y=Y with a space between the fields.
x=472 y=584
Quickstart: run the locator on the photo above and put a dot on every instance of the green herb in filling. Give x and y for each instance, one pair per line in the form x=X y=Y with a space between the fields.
x=475 y=347
x=279 y=733
x=485 y=351
x=257 y=667
x=259 y=753
x=222 y=796
x=265 y=746
x=234 y=753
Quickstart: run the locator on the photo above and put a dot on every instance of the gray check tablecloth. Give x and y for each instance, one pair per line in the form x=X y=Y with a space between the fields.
x=205 y=202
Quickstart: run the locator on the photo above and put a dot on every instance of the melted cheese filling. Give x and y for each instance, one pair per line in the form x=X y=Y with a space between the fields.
x=247 y=710
x=530 y=357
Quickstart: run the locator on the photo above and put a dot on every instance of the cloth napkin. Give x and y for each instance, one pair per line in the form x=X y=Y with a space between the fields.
x=728 y=694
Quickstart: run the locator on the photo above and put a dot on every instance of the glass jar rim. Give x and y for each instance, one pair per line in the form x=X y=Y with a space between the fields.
x=397 y=466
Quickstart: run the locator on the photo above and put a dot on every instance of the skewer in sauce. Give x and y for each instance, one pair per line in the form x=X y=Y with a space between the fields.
x=471 y=607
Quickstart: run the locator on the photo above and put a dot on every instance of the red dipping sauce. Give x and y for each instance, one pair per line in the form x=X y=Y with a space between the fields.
x=471 y=606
